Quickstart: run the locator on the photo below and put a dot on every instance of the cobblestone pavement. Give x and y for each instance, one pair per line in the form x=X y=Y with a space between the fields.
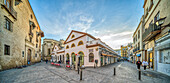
x=45 y=73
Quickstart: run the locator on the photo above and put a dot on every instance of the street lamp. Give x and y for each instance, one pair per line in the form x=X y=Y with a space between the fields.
x=160 y=21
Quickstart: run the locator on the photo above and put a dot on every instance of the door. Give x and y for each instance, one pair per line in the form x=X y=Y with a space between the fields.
x=151 y=60
x=29 y=56
x=101 y=60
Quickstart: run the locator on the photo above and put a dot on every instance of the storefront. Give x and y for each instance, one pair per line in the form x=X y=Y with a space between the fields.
x=151 y=58
x=162 y=55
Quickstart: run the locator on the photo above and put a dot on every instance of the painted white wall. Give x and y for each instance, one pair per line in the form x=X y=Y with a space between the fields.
x=75 y=34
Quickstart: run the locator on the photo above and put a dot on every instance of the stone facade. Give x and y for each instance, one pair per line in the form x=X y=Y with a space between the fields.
x=50 y=46
x=20 y=34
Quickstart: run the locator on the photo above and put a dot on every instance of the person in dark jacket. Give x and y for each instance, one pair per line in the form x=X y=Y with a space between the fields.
x=138 y=63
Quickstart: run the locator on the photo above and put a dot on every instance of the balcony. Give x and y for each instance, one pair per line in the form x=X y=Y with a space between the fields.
x=10 y=10
x=151 y=32
x=31 y=34
x=94 y=42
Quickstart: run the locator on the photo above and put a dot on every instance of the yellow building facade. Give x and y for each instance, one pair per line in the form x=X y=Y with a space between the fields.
x=156 y=34
x=124 y=52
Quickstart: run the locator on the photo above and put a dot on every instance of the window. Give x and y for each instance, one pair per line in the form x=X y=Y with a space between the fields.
x=49 y=51
x=72 y=45
x=72 y=36
x=164 y=56
x=7 y=3
x=138 y=34
x=91 y=57
x=31 y=16
x=90 y=50
x=22 y=53
x=36 y=55
x=36 y=45
x=6 y=50
x=157 y=17
x=30 y=39
x=80 y=43
x=146 y=12
x=8 y=24
x=67 y=47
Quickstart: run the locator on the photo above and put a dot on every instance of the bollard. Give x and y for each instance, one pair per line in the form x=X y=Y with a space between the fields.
x=139 y=74
x=80 y=74
x=94 y=65
x=78 y=70
x=114 y=71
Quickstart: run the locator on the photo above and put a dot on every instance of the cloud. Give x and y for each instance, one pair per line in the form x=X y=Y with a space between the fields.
x=83 y=24
x=115 y=40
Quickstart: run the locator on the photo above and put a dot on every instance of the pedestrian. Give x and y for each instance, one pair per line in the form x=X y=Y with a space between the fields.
x=138 y=63
x=46 y=61
x=145 y=64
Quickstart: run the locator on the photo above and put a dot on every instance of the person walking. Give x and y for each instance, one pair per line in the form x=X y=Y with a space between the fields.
x=145 y=64
x=138 y=63
x=46 y=61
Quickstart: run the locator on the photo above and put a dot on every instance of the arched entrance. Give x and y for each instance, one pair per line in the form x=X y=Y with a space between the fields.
x=28 y=56
x=81 y=58
x=67 y=59
x=73 y=56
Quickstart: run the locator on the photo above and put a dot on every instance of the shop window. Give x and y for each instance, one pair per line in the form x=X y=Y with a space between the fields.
x=91 y=57
x=164 y=56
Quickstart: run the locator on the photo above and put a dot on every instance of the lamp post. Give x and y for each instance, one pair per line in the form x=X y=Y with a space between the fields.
x=160 y=22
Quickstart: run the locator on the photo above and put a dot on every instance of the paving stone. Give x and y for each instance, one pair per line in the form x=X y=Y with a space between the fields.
x=45 y=73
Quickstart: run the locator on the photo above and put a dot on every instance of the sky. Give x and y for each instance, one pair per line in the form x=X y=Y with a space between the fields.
x=113 y=21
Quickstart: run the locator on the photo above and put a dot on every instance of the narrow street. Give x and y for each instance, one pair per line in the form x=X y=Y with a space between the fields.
x=125 y=73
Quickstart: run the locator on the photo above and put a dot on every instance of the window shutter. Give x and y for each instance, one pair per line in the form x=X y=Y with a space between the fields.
x=5 y=23
x=11 y=27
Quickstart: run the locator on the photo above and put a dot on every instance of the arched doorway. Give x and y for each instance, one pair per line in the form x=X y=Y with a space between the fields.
x=73 y=56
x=29 y=56
x=81 y=58
x=67 y=59
x=91 y=57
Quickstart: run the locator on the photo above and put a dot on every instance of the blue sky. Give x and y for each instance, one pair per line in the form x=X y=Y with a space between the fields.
x=113 y=21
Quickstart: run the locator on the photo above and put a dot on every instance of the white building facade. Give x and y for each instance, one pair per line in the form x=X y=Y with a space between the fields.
x=83 y=49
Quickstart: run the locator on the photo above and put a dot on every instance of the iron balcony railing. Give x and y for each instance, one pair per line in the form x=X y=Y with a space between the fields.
x=10 y=10
x=152 y=28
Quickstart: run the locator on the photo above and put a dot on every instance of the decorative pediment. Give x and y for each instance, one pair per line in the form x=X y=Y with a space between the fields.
x=76 y=35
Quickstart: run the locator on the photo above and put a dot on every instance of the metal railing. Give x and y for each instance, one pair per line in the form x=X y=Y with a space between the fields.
x=10 y=9
x=152 y=27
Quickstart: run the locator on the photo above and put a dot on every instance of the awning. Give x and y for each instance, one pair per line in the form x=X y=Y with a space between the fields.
x=138 y=55
x=109 y=55
x=104 y=54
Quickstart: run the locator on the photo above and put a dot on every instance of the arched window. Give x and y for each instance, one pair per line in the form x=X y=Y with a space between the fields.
x=67 y=59
x=72 y=36
x=80 y=43
x=73 y=58
x=67 y=47
x=72 y=45
x=91 y=57
x=81 y=58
